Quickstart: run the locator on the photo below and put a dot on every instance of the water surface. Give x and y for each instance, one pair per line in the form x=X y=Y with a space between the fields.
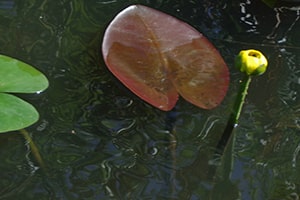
x=100 y=141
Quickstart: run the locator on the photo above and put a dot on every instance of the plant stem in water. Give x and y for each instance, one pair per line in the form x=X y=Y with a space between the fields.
x=241 y=100
x=234 y=117
x=33 y=147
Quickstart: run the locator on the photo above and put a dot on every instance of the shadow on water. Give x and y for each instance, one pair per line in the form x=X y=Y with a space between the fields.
x=99 y=141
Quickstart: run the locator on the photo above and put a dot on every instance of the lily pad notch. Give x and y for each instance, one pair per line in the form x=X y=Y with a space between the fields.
x=18 y=77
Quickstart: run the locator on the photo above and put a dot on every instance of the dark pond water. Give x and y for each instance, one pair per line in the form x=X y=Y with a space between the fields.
x=99 y=141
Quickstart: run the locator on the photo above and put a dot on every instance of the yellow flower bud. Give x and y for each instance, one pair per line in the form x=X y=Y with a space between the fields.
x=251 y=61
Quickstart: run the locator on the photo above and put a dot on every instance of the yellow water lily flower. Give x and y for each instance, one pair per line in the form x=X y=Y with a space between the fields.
x=251 y=61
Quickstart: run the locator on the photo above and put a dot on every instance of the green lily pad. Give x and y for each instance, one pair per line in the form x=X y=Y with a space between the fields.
x=19 y=77
x=15 y=113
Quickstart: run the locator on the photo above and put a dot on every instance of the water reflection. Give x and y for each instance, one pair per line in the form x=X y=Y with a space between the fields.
x=99 y=141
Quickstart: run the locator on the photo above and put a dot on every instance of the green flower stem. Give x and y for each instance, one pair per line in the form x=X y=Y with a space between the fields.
x=250 y=62
x=226 y=143
x=33 y=147
x=234 y=117
x=240 y=100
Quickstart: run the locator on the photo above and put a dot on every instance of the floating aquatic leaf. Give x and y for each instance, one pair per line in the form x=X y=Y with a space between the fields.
x=157 y=56
x=15 y=113
x=18 y=77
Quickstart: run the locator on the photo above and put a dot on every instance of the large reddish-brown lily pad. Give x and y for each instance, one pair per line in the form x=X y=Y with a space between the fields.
x=158 y=57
